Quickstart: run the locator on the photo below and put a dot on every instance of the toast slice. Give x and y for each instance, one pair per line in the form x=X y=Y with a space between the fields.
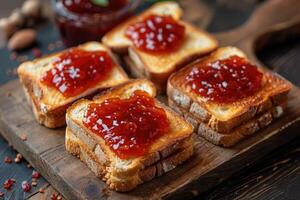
x=48 y=104
x=116 y=39
x=168 y=151
x=158 y=68
x=243 y=131
x=226 y=116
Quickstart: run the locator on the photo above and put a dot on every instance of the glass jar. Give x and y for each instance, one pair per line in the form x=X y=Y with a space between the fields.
x=76 y=28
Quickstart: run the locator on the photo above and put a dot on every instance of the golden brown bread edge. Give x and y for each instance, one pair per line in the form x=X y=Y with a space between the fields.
x=76 y=147
x=237 y=134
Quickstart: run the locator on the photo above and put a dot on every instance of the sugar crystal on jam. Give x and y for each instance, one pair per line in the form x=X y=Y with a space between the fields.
x=156 y=34
x=77 y=70
x=128 y=126
x=225 y=81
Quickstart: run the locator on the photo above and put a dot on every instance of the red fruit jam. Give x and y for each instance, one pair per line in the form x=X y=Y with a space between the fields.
x=128 y=126
x=156 y=34
x=35 y=174
x=225 y=81
x=80 y=21
x=8 y=184
x=88 y=7
x=26 y=186
x=77 y=70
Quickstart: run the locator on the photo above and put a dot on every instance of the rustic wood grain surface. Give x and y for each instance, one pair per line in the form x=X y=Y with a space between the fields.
x=277 y=175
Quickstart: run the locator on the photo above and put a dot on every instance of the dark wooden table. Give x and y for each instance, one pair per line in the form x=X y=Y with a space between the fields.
x=276 y=176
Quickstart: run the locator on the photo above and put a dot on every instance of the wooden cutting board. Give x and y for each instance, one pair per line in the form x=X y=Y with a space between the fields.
x=210 y=165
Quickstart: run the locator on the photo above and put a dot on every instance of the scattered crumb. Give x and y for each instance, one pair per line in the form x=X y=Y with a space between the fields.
x=37 y=53
x=195 y=192
x=35 y=175
x=29 y=165
x=18 y=158
x=8 y=184
x=34 y=184
x=26 y=186
x=21 y=59
x=11 y=72
x=41 y=190
x=58 y=44
x=259 y=178
x=8 y=94
x=54 y=196
x=51 y=47
x=7 y=160
x=13 y=56
x=105 y=192
x=24 y=137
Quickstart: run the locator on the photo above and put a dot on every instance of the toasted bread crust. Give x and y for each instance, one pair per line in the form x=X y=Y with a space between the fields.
x=244 y=130
x=77 y=148
x=46 y=113
x=274 y=92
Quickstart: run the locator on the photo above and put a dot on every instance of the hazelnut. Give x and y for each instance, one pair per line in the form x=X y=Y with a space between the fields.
x=19 y=156
x=17 y=160
x=32 y=8
x=22 y=39
x=6 y=30
x=16 y=18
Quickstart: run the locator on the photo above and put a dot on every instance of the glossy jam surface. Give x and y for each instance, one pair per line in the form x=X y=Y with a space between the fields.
x=128 y=126
x=88 y=7
x=156 y=34
x=225 y=81
x=77 y=70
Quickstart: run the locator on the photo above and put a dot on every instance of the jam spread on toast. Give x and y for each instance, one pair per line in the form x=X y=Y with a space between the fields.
x=88 y=7
x=77 y=70
x=156 y=34
x=128 y=126
x=225 y=81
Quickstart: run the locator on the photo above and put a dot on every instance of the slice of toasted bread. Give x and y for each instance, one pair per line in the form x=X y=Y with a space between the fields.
x=245 y=130
x=158 y=68
x=125 y=174
x=224 y=117
x=116 y=39
x=49 y=104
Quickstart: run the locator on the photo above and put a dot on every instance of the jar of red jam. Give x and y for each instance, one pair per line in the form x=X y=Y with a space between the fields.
x=80 y=21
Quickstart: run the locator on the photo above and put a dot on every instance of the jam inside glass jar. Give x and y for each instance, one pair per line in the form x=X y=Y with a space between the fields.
x=225 y=81
x=128 y=126
x=156 y=34
x=80 y=21
x=77 y=70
